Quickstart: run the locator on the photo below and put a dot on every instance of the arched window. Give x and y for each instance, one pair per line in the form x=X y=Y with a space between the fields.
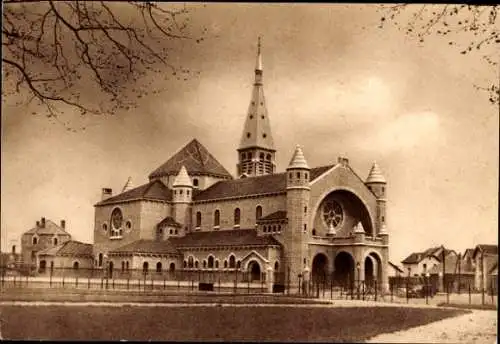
x=126 y=266
x=172 y=267
x=238 y=264
x=210 y=262
x=276 y=266
x=225 y=264
x=314 y=231
x=195 y=182
x=232 y=262
x=204 y=264
x=279 y=228
x=145 y=267
x=100 y=259
x=258 y=212
x=35 y=240
x=217 y=218
x=261 y=156
x=123 y=266
x=216 y=264
x=76 y=265
x=185 y=264
x=237 y=214
x=55 y=241
x=274 y=228
x=298 y=175
x=198 y=219
x=196 y=264
x=268 y=157
x=158 y=267
x=190 y=262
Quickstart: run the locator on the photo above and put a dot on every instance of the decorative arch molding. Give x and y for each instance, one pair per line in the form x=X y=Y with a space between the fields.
x=254 y=255
x=350 y=190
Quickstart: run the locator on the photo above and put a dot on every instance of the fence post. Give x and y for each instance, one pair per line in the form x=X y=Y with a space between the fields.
x=376 y=290
x=113 y=282
x=88 y=283
x=63 y=279
x=448 y=292
x=288 y=281
x=392 y=292
x=248 y=284
x=469 y=295
x=50 y=278
x=219 y=282
x=491 y=291
x=76 y=281
x=407 y=296
x=482 y=292
x=102 y=282
x=128 y=282
x=331 y=287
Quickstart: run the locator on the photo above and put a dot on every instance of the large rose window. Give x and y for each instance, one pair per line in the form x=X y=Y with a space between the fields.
x=332 y=213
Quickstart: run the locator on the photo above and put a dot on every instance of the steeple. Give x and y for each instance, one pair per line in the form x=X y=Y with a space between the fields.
x=256 y=151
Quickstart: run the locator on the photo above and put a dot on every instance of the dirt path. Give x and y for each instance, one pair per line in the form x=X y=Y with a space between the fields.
x=477 y=327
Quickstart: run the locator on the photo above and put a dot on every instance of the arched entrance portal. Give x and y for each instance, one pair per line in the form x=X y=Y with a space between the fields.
x=373 y=268
x=319 y=268
x=254 y=269
x=344 y=269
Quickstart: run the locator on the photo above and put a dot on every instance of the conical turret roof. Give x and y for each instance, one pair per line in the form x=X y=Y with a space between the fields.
x=128 y=185
x=298 y=160
x=182 y=178
x=375 y=175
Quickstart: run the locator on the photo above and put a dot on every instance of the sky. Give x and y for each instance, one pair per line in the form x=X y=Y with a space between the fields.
x=334 y=83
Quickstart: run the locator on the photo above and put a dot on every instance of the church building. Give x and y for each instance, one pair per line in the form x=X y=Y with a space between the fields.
x=194 y=215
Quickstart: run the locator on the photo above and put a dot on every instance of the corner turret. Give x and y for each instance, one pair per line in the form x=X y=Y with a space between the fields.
x=183 y=195
x=377 y=183
x=298 y=171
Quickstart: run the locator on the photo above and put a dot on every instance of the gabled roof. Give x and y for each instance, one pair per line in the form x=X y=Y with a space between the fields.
x=434 y=252
x=154 y=190
x=277 y=215
x=69 y=248
x=270 y=183
x=413 y=258
x=236 y=237
x=197 y=160
x=147 y=246
x=488 y=249
x=50 y=228
x=169 y=221
x=397 y=268
x=494 y=269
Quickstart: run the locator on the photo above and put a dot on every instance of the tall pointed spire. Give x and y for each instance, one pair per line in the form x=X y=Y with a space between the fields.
x=256 y=149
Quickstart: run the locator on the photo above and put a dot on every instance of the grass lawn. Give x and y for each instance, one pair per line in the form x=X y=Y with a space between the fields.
x=211 y=323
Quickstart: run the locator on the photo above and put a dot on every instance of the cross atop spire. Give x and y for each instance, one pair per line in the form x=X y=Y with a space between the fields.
x=258 y=64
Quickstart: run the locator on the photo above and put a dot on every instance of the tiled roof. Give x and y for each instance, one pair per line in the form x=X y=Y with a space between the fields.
x=69 y=248
x=154 y=190
x=50 y=228
x=413 y=258
x=237 y=237
x=169 y=221
x=277 y=215
x=270 y=183
x=396 y=267
x=488 y=249
x=147 y=246
x=197 y=160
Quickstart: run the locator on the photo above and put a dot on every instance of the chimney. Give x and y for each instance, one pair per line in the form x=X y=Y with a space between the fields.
x=343 y=160
x=43 y=222
x=106 y=193
x=38 y=224
x=63 y=224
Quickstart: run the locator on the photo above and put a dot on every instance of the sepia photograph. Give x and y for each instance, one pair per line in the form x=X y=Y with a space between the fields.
x=256 y=172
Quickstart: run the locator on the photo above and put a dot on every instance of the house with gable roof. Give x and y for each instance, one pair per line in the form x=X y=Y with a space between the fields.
x=193 y=215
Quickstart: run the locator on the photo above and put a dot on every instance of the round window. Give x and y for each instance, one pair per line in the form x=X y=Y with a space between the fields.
x=332 y=213
x=117 y=218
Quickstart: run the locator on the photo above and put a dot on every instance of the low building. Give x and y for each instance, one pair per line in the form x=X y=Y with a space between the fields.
x=485 y=258
x=419 y=263
x=67 y=258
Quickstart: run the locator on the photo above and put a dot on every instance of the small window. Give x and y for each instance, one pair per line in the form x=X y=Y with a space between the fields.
x=237 y=215
x=204 y=264
x=123 y=266
x=258 y=212
x=145 y=267
x=76 y=265
x=238 y=264
x=176 y=232
x=305 y=175
x=55 y=241
x=383 y=189
x=171 y=231
x=225 y=264
x=190 y=262
x=196 y=264
x=276 y=266
x=383 y=219
x=279 y=228
x=243 y=156
x=305 y=227
x=185 y=264
x=248 y=135
x=180 y=192
x=249 y=155
x=158 y=267
x=198 y=219
x=232 y=262
x=251 y=116
x=298 y=175
x=264 y=229
x=274 y=228
x=210 y=262
x=305 y=210
x=35 y=240
x=261 y=156
x=100 y=259
x=268 y=157
x=290 y=176
x=264 y=135
x=172 y=266
x=217 y=218
x=126 y=265
x=195 y=182
x=128 y=224
x=104 y=227
x=314 y=232
x=187 y=192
